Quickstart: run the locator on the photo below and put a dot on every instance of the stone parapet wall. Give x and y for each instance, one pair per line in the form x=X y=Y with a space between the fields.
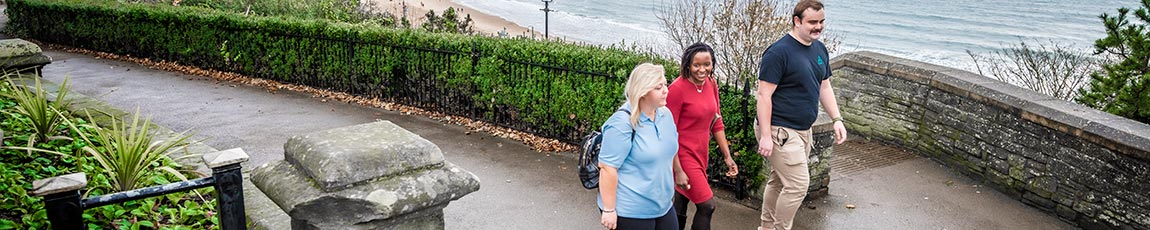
x=1087 y=167
x=819 y=159
x=818 y=162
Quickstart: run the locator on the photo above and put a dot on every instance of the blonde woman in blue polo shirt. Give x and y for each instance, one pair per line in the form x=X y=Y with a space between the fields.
x=635 y=182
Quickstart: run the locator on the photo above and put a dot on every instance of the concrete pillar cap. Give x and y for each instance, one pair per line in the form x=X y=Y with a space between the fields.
x=49 y=186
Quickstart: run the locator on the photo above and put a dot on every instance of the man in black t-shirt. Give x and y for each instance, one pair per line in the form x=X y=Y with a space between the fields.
x=794 y=77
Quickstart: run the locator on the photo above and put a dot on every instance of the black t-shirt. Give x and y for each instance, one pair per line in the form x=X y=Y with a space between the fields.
x=798 y=70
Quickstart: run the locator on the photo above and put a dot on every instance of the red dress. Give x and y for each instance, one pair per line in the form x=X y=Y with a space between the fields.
x=694 y=107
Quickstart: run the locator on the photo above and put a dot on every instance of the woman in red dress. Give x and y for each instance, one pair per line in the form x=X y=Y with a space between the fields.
x=694 y=104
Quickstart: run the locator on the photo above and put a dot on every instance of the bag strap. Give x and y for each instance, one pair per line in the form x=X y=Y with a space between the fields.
x=628 y=112
x=718 y=106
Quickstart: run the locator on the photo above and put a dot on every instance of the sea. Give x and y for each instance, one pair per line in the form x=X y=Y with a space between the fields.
x=934 y=31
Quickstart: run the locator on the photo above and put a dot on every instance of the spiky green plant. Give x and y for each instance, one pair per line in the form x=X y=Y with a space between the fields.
x=128 y=153
x=44 y=117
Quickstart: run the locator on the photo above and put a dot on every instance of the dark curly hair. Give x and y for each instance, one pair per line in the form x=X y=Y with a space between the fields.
x=689 y=56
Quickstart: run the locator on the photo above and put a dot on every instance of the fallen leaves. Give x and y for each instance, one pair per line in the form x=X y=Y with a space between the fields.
x=540 y=144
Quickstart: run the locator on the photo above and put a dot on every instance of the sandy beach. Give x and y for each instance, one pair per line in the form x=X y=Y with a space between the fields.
x=484 y=23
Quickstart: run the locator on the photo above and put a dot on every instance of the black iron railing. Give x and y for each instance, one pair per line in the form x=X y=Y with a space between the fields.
x=65 y=206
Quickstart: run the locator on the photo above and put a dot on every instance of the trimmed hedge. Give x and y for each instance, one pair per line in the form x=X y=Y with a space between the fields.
x=552 y=89
x=361 y=59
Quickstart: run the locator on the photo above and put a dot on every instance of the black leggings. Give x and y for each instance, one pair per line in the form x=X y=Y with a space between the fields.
x=665 y=222
x=703 y=213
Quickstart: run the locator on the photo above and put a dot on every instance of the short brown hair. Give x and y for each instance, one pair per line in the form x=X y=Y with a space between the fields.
x=802 y=6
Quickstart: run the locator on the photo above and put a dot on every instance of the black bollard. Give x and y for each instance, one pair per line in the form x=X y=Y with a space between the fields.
x=230 y=189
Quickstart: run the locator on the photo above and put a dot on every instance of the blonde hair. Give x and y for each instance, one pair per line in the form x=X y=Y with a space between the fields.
x=644 y=77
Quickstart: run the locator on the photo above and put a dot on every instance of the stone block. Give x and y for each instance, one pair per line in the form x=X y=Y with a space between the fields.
x=1038 y=156
x=342 y=156
x=1042 y=186
x=222 y=158
x=1039 y=202
x=1035 y=168
x=1000 y=166
x=1065 y=194
x=370 y=176
x=262 y=213
x=376 y=200
x=1142 y=218
x=18 y=47
x=1087 y=208
x=912 y=71
x=1066 y=213
x=863 y=61
x=1115 y=219
x=1093 y=224
x=65 y=183
x=1130 y=137
x=17 y=55
x=1017 y=166
x=1001 y=95
x=994 y=151
x=431 y=218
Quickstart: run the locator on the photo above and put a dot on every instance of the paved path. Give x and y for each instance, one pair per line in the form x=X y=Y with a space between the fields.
x=521 y=188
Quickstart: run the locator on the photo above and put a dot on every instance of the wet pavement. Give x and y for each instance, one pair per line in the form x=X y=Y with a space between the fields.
x=521 y=188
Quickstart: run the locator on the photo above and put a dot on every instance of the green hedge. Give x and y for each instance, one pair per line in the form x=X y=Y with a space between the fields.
x=555 y=90
x=355 y=57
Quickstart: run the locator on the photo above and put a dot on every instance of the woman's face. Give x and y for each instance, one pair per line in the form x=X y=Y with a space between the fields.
x=701 y=66
x=656 y=96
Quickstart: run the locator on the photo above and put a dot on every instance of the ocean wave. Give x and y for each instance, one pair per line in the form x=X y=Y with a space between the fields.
x=940 y=34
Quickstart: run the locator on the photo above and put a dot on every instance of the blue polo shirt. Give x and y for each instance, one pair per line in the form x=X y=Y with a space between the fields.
x=798 y=70
x=646 y=183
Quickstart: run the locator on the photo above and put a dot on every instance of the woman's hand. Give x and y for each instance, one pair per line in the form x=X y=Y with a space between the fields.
x=732 y=168
x=608 y=219
x=681 y=180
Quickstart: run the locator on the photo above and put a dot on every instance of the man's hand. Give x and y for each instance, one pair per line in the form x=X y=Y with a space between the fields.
x=766 y=146
x=840 y=132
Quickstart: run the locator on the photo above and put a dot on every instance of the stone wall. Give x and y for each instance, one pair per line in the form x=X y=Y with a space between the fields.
x=1087 y=167
x=819 y=160
x=818 y=163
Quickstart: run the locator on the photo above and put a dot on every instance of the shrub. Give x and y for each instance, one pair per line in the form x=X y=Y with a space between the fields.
x=127 y=153
x=1052 y=69
x=448 y=22
x=1123 y=88
x=45 y=119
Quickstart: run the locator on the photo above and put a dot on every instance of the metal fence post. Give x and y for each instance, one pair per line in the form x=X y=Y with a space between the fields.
x=749 y=116
x=229 y=186
x=62 y=200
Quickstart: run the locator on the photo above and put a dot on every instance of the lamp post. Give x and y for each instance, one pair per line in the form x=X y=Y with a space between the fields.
x=546 y=20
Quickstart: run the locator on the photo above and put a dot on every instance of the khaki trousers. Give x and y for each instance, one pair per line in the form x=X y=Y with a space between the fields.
x=789 y=176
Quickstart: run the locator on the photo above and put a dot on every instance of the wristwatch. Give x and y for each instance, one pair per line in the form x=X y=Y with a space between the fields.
x=838 y=119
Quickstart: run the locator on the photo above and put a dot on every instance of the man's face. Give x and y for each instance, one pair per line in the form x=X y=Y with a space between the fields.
x=810 y=27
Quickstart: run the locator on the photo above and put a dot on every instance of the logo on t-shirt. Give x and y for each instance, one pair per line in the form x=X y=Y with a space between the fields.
x=820 y=60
